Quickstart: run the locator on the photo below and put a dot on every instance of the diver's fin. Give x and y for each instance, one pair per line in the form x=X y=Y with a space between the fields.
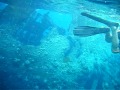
x=108 y=23
x=84 y=31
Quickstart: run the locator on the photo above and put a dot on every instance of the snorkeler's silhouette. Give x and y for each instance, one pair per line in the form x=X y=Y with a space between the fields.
x=33 y=30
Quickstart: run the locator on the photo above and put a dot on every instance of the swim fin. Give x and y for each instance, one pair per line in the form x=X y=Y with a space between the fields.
x=108 y=23
x=84 y=31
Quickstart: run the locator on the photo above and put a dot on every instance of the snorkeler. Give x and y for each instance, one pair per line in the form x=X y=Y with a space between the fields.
x=111 y=34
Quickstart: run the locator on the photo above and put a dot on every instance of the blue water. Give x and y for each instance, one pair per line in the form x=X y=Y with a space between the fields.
x=38 y=49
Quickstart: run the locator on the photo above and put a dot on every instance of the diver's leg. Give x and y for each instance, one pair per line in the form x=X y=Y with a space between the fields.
x=119 y=37
x=113 y=26
x=119 y=34
x=115 y=40
x=108 y=23
x=108 y=37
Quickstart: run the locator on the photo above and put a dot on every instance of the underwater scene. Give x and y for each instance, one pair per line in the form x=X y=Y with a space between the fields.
x=59 y=45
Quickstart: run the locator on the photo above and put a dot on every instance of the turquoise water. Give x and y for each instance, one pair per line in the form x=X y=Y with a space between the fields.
x=38 y=49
